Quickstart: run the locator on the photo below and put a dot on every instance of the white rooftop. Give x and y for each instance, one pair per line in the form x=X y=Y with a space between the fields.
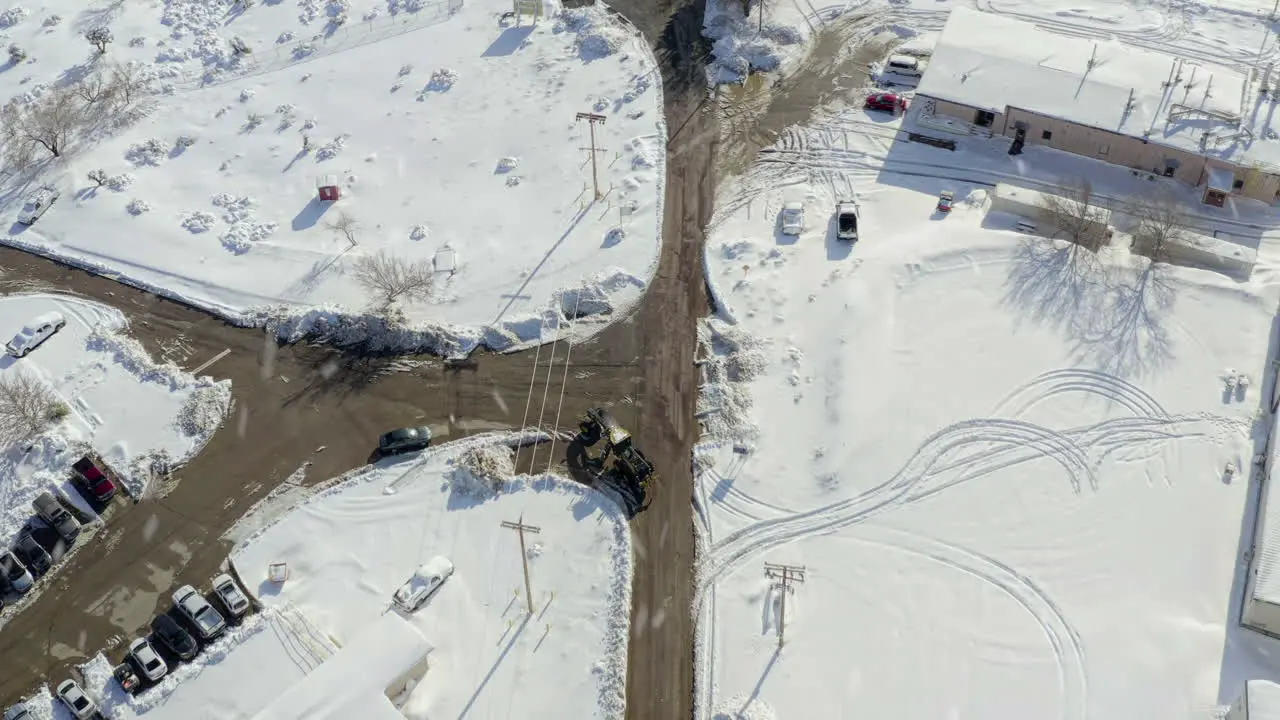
x=353 y=682
x=1263 y=701
x=989 y=61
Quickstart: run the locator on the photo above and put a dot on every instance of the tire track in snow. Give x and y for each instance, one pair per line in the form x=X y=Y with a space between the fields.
x=1068 y=649
x=737 y=546
x=1055 y=382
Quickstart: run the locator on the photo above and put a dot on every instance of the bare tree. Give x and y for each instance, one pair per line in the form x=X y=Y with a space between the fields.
x=1159 y=221
x=393 y=278
x=344 y=224
x=98 y=177
x=97 y=87
x=99 y=37
x=28 y=407
x=1074 y=214
x=129 y=81
x=47 y=123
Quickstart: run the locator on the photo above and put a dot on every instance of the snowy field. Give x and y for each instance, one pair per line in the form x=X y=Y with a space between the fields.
x=348 y=549
x=1006 y=469
x=132 y=411
x=451 y=135
x=1005 y=472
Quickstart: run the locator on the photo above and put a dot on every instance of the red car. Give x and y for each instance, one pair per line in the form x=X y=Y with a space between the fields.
x=94 y=480
x=888 y=102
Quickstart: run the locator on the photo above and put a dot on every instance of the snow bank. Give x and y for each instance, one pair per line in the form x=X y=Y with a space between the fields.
x=740 y=46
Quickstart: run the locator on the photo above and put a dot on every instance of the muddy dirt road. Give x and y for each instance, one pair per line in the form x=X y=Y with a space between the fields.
x=293 y=405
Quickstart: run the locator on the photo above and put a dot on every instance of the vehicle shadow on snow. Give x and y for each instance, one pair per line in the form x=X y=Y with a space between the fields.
x=1115 y=318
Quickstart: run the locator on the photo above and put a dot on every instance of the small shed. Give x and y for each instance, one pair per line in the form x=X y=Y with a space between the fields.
x=1218 y=186
x=328 y=187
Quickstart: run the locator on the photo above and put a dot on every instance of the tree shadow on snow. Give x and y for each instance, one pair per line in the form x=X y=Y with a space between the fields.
x=98 y=16
x=509 y=41
x=339 y=373
x=1114 y=317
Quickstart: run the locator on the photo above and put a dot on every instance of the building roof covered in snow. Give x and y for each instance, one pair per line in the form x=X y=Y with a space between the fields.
x=354 y=681
x=1262 y=700
x=989 y=62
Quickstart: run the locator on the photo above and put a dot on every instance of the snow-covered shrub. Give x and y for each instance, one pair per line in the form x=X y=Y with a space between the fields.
x=285 y=37
x=507 y=164
x=204 y=410
x=398 y=6
x=198 y=221
x=16 y=53
x=137 y=42
x=253 y=120
x=239 y=46
x=15 y=15
x=287 y=115
x=239 y=238
x=309 y=124
x=405 y=70
x=183 y=142
x=596 y=38
x=51 y=21
x=235 y=209
x=419 y=232
x=149 y=152
x=247 y=94
x=442 y=80
x=302 y=50
x=137 y=207
x=330 y=150
x=483 y=471
x=120 y=183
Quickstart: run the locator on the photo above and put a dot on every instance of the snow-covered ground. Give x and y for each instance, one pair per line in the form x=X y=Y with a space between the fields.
x=350 y=546
x=1003 y=467
x=135 y=413
x=451 y=134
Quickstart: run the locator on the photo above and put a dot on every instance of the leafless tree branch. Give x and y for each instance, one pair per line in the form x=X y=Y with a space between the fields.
x=1159 y=221
x=1074 y=214
x=27 y=407
x=48 y=122
x=392 y=278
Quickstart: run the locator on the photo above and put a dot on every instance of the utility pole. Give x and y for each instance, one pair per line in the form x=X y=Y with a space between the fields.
x=593 y=119
x=521 y=529
x=784 y=575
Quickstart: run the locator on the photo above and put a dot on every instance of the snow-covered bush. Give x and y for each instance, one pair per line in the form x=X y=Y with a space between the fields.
x=247 y=94
x=51 y=21
x=398 y=6
x=16 y=53
x=285 y=37
x=330 y=150
x=99 y=38
x=183 y=142
x=483 y=471
x=198 y=221
x=15 y=15
x=137 y=42
x=137 y=207
x=120 y=183
x=302 y=50
x=507 y=164
x=442 y=80
x=253 y=120
x=405 y=70
x=239 y=238
x=597 y=36
x=149 y=152
x=419 y=232
x=98 y=177
x=235 y=209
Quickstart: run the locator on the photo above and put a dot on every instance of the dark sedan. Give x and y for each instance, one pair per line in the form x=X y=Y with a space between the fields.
x=33 y=553
x=404 y=440
x=171 y=635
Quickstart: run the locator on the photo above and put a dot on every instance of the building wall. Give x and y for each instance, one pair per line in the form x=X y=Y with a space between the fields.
x=963 y=112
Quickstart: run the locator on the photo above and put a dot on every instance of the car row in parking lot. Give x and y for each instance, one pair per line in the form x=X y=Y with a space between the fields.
x=176 y=636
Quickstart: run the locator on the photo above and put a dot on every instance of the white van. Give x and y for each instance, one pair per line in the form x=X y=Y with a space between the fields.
x=903 y=65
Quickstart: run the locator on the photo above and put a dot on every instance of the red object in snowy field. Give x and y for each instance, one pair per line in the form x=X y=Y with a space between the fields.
x=945 y=201
x=328 y=187
x=888 y=102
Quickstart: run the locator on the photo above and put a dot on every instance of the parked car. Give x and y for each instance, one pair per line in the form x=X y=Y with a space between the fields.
x=128 y=679
x=791 y=219
x=52 y=512
x=81 y=707
x=15 y=574
x=231 y=596
x=886 y=101
x=96 y=482
x=847 y=221
x=905 y=65
x=207 y=621
x=946 y=200
x=147 y=660
x=40 y=328
x=404 y=440
x=32 y=553
x=36 y=205
x=425 y=582
x=17 y=712
x=173 y=636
